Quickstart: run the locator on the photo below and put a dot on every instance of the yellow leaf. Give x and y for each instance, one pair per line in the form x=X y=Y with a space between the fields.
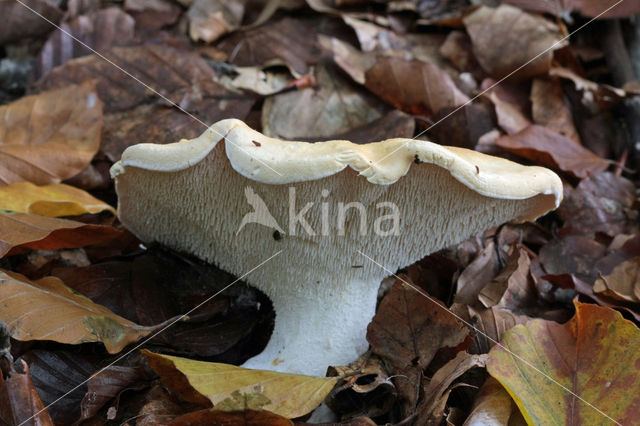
x=236 y=388
x=50 y=200
x=47 y=309
x=595 y=357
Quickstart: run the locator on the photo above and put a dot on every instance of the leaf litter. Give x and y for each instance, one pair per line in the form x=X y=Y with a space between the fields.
x=559 y=294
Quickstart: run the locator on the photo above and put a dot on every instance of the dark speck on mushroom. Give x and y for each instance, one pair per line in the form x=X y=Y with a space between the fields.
x=477 y=170
x=256 y=143
x=417 y=160
x=277 y=236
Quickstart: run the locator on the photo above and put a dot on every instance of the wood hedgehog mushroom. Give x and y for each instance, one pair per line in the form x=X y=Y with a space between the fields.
x=325 y=206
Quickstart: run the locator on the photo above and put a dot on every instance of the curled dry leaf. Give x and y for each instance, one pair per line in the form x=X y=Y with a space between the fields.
x=551 y=149
x=493 y=406
x=549 y=109
x=334 y=107
x=492 y=324
x=100 y=30
x=512 y=109
x=210 y=19
x=506 y=38
x=235 y=388
x=23 y=22
x=623 y=283
x=595 y=355
x=23 y=230
x=49 y=137
x=19 y=399
x=474 y=277
x=431 y=409
x=50 y=200
x=46 y=309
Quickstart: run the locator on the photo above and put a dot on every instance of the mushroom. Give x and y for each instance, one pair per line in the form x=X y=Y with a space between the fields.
x=323 y=206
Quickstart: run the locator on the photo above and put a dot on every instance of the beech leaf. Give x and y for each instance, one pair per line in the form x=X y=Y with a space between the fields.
x=50 y=200
x=235 y=388
x=24 y=230
x=49 y=137
x=46 y=309
x=595 y=355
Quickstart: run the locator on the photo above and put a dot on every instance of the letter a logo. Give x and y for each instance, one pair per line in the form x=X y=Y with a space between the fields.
x=260 y=214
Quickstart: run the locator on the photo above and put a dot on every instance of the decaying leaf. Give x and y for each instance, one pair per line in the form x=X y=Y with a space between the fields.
x=19 y=399
x=334 y=108
x=50 y=200
x=623 y=283
x=591 y=8
x=493 y=406
x=603 y=203
x=210 y=19
x=431 y=410
x=49 y=137
x=595 y=355
x=492 y=323
x=235 y=389
x=46 y=309
x=551 y=149
x=244 y=418
x=549 y=109
x=24 y=230
x=409 y=328
x=25 y=23
x=506 y=38
x=101 y=30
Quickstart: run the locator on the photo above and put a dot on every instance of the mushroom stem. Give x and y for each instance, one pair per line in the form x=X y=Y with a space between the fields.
x=330 y=331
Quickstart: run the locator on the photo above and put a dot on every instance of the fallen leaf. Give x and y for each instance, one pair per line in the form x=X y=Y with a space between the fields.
x=180 y=75
x=573 y=254
x=413 y=86
x=25 y=23
x=477 y=274
x=492 y=406
x=19 y=399
x=152 y=15
x=210 y=19
x=590 y=8
x=334 y=107
x=431 y=409
x=237 y=388
x=513 y=288
x=462 y=127
x=595 y=355
x=603 y=93
x=506 y=38
x=603 y=202
x=50 y=200
x=49 y=137
x=549 y=109
x=100 y=30
x=23 y=230
x=394 y=124
x=289 y=42
x=623 y=283
x=551 y=149
x=46 y=367
x=245 y=418
x=409 y=328
x=46 y=309
x=105 y=385
x=492 y=323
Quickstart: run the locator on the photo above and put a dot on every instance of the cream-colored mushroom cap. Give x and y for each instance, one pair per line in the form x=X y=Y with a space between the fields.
x=237 y=203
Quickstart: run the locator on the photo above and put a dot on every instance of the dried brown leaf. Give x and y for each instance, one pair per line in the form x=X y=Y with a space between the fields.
x=475 y=276
x=21 y=22
x=100 y=30
x=23 y=230
x=210 y=19
x=550 y=110
x=431 y=409
x=493 y=406
x=603 y=202
x=19 y=399
x=49 y=137
x=492 y=323
x=590 y=8
x=46 y=309
x=506 y=38
x=551 y=149
x=622 y=283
